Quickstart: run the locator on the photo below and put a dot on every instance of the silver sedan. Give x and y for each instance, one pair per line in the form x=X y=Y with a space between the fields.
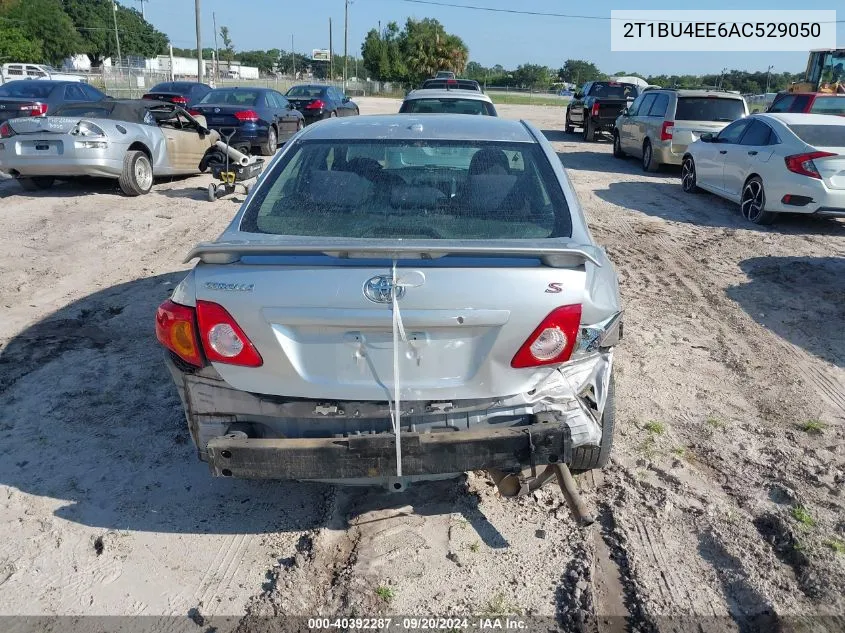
x=401 y=297
x=132 y=141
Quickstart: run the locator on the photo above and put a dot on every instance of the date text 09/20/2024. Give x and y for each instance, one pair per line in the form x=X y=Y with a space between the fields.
x=501 y=623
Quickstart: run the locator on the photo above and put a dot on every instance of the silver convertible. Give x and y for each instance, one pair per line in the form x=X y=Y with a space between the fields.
x=132 y=141
x=401 y=297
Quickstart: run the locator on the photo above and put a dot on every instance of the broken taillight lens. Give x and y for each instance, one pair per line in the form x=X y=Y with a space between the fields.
x=223 y=340
x=553 y=340
x=176 y=330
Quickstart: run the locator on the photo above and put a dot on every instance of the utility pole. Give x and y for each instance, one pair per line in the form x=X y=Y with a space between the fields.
x=292 y=57
x=199 y=40
x=116 y=36
x=345 y=40
x=216 y=50
x=331 y=52
x=143 y=15
x=768 y=72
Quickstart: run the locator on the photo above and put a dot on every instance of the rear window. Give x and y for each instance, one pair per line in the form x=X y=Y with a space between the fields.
x=172 y=87
x=828 y=105
x=709 y=109
x=231 y=96
x=608 y=90
x=27 y=89
x=447 y=105
x=820 y=135
x=311 y=92
x=457 y=84
x=411 y=189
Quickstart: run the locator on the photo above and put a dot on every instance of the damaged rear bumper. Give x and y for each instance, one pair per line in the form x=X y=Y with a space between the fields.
x=246 y=435
x=373 y=456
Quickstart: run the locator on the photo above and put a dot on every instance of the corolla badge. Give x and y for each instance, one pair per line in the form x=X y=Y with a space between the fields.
x=216 y=110
x=379 y=289
x=219 y=285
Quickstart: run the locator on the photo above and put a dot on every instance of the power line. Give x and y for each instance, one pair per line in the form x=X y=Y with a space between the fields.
x=551 y=15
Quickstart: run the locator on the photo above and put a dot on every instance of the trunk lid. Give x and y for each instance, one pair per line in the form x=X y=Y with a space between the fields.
x=832 y=168
x=218 y=115
x=321 y=333
x=44 y=125
x=166 y=96
x=609 y=109
x=300 y=103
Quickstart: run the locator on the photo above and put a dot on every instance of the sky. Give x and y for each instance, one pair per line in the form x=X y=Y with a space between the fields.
x=492 y=38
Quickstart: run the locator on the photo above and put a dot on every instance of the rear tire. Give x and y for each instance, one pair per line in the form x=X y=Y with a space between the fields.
x=269 y=148
x=649 y=164
x=36 y=183
x=137 y=176
x=589 y=131
x=617 y=146
x=589 y=457
x=567 y=124
x=753 y=203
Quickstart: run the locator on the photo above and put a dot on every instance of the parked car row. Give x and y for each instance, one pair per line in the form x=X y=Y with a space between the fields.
x=76 y=130
x=790 y=159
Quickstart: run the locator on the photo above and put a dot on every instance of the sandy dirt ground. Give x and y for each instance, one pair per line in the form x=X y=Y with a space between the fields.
x=723 y=502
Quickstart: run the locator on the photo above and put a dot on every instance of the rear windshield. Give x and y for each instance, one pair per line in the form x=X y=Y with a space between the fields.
x=709 y=109
x=457 y=84
x=411 y=189
x=29 y=89
x=447 y=105
x=828 y=105
x=231 y=96
x=173 y=87
x=820 y=135
x=609 y=90
x=311 y=92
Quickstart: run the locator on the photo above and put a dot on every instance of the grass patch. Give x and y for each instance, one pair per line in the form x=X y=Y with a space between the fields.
x=475 y=547
x=499 y=605
x=715 y=423
x=655 y=427
x=679 y=451
x=527 y=99
x=803 y=516
x=836 y=545
x=385 y=593
x=813 y=427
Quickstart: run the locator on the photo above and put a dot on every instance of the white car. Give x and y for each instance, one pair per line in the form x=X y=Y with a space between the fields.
x=773 y=163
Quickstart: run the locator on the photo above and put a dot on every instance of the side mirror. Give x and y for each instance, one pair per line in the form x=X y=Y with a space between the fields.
x=707 y=137
x=346 y=99
x=624 y=112
x=579 y=95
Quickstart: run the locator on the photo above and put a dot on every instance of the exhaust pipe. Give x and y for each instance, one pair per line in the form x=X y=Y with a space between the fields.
x=514 y=485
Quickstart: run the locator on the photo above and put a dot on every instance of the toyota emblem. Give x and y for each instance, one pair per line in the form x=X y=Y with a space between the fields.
x=380 y=289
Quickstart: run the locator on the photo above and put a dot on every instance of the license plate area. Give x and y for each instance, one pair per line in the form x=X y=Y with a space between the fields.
x=42 y=147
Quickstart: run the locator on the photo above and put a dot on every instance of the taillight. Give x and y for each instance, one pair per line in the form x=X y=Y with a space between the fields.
x=176 y=330
x=179 y=101
x=317 y=104
x=247 y=115
x=803 y=163
x=222 y=338
x=35 y=109
x=6 y=131
x=595 y=109
x=193 y=112
x=553 y=340
x=666 y=130
x=148 y=96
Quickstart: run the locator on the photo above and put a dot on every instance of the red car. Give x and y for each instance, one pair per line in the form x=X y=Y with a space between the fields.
x=815 y=102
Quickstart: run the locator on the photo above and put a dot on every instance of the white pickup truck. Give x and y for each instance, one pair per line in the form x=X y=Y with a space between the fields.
x=11 y=72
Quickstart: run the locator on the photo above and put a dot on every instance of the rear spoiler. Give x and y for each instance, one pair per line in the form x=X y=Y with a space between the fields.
x=556 y=256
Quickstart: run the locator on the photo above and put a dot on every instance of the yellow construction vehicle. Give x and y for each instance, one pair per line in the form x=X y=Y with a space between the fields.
x=825 y=72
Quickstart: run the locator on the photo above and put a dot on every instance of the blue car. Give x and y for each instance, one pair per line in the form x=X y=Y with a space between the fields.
x=261 y=118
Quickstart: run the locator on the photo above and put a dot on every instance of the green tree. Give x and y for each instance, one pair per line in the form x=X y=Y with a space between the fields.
x=578 y=71
x=228 y=47
x=533 y=76
x=16 y=47
x=95 y=24
x=381 y=54
x=426 y=47
x=265 y=61
x=45 y=21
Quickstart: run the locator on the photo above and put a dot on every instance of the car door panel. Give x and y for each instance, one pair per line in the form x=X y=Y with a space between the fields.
x=754 y=149
x=626 y=126
x=640 y=124
x=727 y=150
